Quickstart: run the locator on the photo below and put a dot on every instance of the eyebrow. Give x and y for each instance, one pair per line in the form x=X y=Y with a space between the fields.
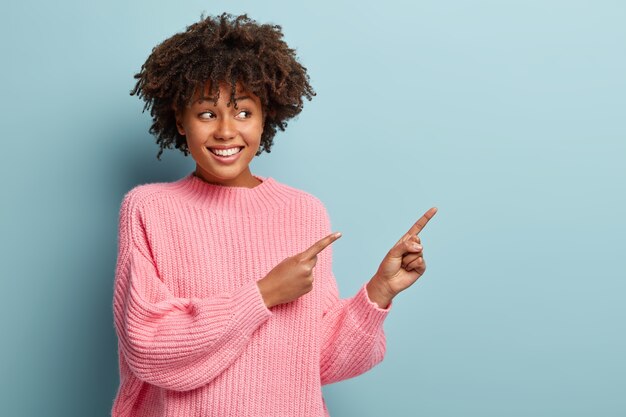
x=212 y=99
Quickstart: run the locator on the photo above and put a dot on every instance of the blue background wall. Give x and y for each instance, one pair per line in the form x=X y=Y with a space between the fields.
x=509 y=116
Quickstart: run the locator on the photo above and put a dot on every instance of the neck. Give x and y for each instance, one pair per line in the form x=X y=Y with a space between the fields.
x=245 y=180
x=235 y=201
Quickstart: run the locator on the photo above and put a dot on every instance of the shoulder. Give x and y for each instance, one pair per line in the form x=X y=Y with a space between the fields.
x=307 y=202
x=142 y=196
x=138 y=205
x=303 y=197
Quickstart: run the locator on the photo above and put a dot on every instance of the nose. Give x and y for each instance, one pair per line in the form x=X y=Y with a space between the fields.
x=225 y=129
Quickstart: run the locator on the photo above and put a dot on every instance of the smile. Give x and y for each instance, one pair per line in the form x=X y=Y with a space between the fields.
x=226 y=156
x=226 y=152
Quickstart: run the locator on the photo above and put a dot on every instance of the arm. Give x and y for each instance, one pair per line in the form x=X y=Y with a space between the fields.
x=353 y=336
x=175 y=343
x=353 y=340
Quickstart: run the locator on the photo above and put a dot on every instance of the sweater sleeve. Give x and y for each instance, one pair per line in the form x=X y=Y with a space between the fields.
x=175 y=343
x=353 y=339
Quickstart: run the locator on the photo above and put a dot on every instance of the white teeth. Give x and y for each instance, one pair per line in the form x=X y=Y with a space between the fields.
x=225 y=152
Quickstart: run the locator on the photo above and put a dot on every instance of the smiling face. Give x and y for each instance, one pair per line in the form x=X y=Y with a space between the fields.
x=221 y=139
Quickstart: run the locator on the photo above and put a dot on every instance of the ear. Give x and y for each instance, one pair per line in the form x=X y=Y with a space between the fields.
x=179 y=124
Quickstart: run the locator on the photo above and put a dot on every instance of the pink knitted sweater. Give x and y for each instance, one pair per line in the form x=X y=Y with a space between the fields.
x=194 y=335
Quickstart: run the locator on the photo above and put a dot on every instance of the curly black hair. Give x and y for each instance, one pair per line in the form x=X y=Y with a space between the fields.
x=222 y=49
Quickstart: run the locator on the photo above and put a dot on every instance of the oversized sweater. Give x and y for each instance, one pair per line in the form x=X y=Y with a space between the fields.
x=195 y=337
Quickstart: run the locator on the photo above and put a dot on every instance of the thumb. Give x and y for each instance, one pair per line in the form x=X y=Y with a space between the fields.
x=401 y=248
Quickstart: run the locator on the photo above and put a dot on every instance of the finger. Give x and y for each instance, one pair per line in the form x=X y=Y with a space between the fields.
x=413 y=266
x=414 y=252
x=407 y=259
x=419 y=225
x=410 y=257
x=320 y=245
x=402 y=247
x=418 y=265
x=412 y=238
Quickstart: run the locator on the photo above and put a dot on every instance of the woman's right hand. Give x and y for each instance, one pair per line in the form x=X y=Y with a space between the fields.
x=293 y=277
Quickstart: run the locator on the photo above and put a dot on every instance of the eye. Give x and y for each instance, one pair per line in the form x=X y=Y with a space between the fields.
x=206 y=115
x=244 y=114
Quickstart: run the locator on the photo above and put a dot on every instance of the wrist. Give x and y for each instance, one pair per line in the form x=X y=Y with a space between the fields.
x=379 y=293
x=269 y=303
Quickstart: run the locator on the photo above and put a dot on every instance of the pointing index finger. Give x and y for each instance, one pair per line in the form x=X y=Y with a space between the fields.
x=419 y=225
x=320 y=245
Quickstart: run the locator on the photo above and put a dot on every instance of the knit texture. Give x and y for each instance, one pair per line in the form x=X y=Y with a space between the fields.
x=194 y=335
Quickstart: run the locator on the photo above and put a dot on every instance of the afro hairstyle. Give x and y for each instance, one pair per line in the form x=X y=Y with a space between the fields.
x=222 y=49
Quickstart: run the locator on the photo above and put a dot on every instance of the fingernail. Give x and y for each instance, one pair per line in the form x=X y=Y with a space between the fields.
x=417 y=247
x=338 y=234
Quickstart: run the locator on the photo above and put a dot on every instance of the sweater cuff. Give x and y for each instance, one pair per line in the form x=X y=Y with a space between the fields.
x=248 y=310
x=368 y=316
x=250 y=306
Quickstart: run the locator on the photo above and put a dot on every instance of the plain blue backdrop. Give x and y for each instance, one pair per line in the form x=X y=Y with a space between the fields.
x=509 y=116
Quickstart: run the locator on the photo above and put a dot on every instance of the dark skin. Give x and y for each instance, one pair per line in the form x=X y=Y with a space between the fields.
x=402 y=266
x=399 y=269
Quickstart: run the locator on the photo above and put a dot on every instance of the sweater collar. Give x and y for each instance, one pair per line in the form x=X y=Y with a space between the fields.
x=239 y=201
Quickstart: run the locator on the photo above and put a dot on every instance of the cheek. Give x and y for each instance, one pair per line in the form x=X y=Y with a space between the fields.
x=195 y=133
x=253 y=132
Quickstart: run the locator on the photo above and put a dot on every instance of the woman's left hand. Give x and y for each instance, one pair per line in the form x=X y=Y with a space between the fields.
x=402 y=266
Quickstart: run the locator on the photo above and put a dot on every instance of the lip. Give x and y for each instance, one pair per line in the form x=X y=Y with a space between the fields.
x=222 y=147
x=226 y=159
